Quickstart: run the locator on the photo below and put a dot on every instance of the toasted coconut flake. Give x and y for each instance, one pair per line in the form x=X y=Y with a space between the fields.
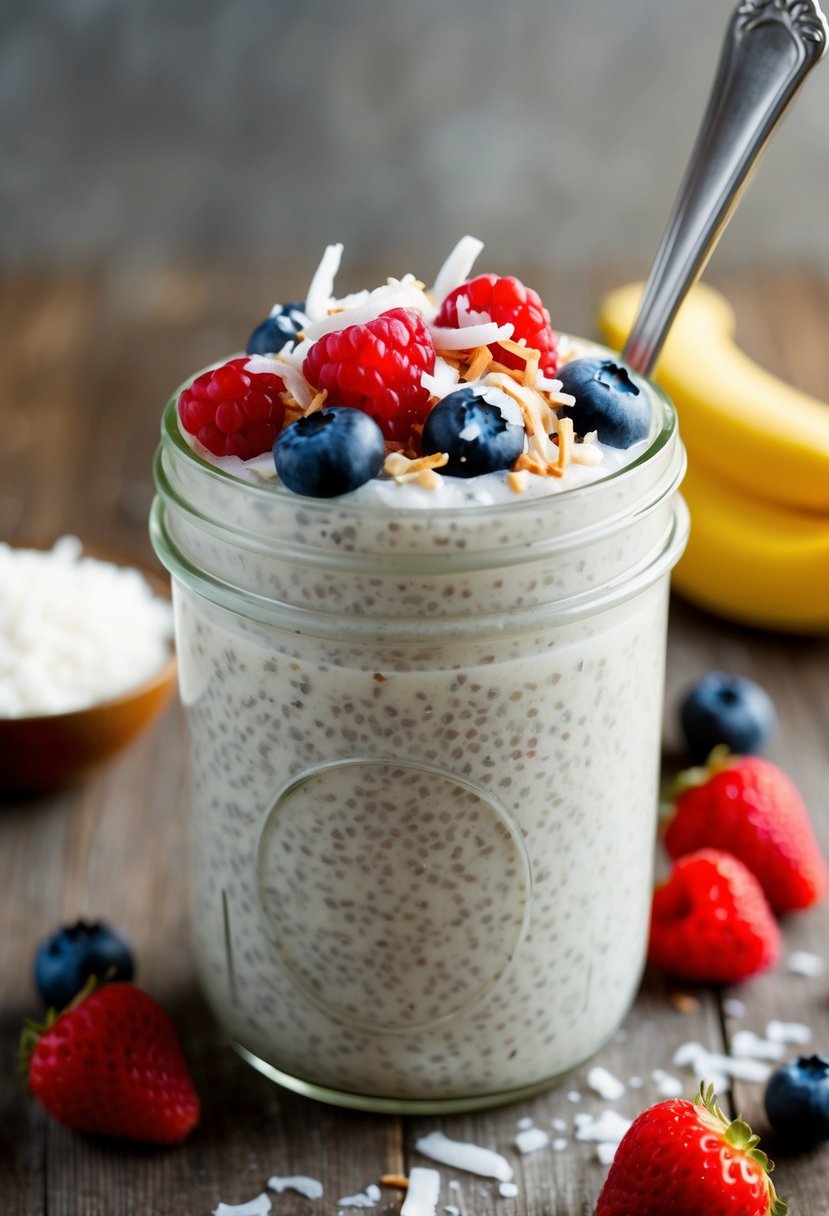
x=444 y=378
x=479 y=363
x=322 y=284
x=318 y=402
x=470 y=336
x=404 y=469
x=295 y=382
x=565 y=442
x=455 y=270
x=517 y=480
x=397 y=1180
x=586 y=453
x=428 y=478
x=501 y=369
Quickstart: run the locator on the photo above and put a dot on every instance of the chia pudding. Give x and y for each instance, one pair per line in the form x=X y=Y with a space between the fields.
x=424 y=719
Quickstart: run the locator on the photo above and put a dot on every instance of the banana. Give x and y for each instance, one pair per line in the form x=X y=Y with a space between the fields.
x=738 y=421
x=752 y=561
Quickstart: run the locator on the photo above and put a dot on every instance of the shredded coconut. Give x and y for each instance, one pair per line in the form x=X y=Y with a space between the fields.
x=734 y=1007
x=525 y=1123
x=455 y=270
x=507 y=1190
x=606 y=1152
x=531 y=1139
x=260 y=1206
x=802 y=962
x=708 y=1065
x=605 y=1084
x=668 y=1086
x=423 y=1193
x=789 y=1032
x=471 y=336
x=309 y=1187
x=322 y=284
x=608 y=1128
x=559 y=1144
x=74 y=631
x=746 y=1044
x=464 y=1156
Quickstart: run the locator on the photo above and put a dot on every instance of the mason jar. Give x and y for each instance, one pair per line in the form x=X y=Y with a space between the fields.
x=424 y=768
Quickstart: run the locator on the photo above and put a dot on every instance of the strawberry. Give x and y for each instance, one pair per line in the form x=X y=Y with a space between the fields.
x=711 y=923
x=111 y=1064
x=748 y=807
x=685 y=1158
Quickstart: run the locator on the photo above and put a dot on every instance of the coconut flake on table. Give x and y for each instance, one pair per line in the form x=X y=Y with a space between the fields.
x=301 y=1183
x=605 y=1152
x=573 y=1095
x=803 y=962
x=746 y=1044
x=423 y=1192
x=608 y=1128
x=558 y=1125
x=605 y=1084
x=260 y=1206
x=75 y=631
x=734 y=1007
x=462 y=1155
x=525 y=1123
x=457 y=267
x=559 y=1144
x=715 y=1067
x=531 y=1139
x=667 y=1086
x=366 y=1199
x=507 y=1190
x=789 y=1032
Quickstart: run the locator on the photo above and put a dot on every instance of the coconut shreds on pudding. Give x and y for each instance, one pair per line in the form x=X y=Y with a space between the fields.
x=424 y=740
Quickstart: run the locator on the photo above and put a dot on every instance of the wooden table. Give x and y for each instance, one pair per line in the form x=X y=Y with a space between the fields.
x=87 y=360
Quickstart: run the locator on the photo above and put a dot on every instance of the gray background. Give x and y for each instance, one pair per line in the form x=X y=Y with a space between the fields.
x=556 y=130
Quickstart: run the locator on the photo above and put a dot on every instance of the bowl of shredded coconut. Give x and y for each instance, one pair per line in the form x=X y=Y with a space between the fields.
x=86 y=661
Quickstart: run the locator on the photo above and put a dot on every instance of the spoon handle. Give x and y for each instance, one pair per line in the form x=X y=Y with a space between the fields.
x=770 y=47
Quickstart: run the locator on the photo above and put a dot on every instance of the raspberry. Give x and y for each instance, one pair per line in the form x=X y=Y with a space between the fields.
x=234 y=412
x=377 y=368
x=507 y=300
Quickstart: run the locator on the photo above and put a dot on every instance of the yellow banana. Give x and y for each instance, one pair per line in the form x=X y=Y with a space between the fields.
x=738 y=421
x=753 y=561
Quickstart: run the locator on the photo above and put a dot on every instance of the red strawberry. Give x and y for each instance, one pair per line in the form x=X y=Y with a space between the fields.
x=748 y=807
x=507 y=300
x=711 y=923
x=111 y=1064
x=682 y=1158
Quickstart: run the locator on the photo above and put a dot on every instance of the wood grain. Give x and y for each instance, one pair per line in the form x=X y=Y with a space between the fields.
x=87 y=360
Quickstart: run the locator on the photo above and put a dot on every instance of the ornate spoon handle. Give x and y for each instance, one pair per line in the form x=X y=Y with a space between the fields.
x=770 y=47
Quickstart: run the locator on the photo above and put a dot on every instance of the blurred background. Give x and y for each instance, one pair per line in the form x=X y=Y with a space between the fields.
x=556 y=130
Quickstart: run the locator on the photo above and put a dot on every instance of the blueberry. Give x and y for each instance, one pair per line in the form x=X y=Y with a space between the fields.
x=607 y=401
x=472 y=428
x=278 y=330
x=797 y=1100
x=330 y=452
x=66 y=960
x=726 y=709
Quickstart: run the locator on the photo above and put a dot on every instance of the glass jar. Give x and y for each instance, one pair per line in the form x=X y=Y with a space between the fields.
x=424 y=767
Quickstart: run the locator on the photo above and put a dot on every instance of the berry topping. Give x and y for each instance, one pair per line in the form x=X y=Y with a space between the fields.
x=278 y=330
x=729 y=710
x=329 y=452
x=687 y=1159
x=234 y=411
x=711 y=923
x=377 y=368
x=797 y=1101
x=112 y=1065
x=505 y=301
x=607 y=401
x=749 y=807
x=66 y=960
x=471 y=427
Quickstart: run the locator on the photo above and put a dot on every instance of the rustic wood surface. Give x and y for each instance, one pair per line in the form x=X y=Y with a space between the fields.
x=86 y=361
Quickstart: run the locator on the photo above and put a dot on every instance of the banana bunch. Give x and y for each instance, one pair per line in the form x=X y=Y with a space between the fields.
x=758 y=470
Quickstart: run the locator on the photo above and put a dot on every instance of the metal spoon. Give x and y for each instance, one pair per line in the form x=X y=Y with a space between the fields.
x=770 y=47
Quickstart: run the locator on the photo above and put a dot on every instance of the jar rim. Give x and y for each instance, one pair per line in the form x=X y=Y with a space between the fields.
x=172 y=437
